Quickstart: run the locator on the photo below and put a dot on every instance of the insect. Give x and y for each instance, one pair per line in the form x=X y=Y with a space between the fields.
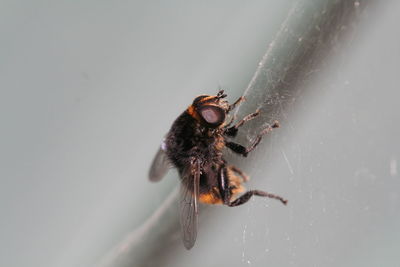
x=194 y=146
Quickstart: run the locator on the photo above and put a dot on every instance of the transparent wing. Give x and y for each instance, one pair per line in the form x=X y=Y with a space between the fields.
x=188 y=203
x=160 y=165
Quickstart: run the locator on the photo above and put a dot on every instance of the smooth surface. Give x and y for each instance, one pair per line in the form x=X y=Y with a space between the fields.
x=88 y=89
x=335 y=158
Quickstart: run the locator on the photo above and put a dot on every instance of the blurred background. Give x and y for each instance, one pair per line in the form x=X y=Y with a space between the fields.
x=89 y=88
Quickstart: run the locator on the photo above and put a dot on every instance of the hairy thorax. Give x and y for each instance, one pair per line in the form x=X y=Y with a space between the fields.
x=190 y=140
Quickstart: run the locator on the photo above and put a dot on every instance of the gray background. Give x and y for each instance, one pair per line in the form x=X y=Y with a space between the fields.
x=88 y=90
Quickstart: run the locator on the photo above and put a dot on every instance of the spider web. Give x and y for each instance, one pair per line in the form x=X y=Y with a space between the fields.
x=310 y=34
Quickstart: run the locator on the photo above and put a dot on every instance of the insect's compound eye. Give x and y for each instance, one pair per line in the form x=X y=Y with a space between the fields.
x=212 y=115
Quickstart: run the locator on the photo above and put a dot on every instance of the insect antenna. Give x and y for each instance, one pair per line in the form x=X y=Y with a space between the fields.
x=221 y=94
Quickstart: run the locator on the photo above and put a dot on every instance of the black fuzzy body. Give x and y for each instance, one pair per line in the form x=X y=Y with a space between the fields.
x=189 y=140
x=194 y=147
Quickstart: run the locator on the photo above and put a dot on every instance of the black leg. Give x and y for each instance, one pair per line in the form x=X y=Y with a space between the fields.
x=230 y=122
x=244 y=176
x=223 y=184
x=232 y=131
x=240 y=100
x=221 y=94
x=260 y=135
x=247 y=118
x=246 y=196
x=239 y=149
x=245 y=151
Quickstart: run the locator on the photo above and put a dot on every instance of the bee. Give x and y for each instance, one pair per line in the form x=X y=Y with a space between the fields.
x=194 y=147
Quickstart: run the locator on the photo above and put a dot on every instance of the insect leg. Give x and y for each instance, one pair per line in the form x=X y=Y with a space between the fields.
x=246 y=196
x=230 y=121
x=260 y=135
x=237 y=148
x=223 y=184
x=244 y=176
x=240 y=100
x=221 y=94
x=232 y=131
x=245 y=151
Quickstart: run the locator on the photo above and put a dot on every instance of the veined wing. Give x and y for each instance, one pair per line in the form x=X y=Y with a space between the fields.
x=189 y=195
x=160 y=165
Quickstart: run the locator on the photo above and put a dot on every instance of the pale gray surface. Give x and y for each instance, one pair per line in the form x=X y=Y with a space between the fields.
x=87 y=91
x=81 y=84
